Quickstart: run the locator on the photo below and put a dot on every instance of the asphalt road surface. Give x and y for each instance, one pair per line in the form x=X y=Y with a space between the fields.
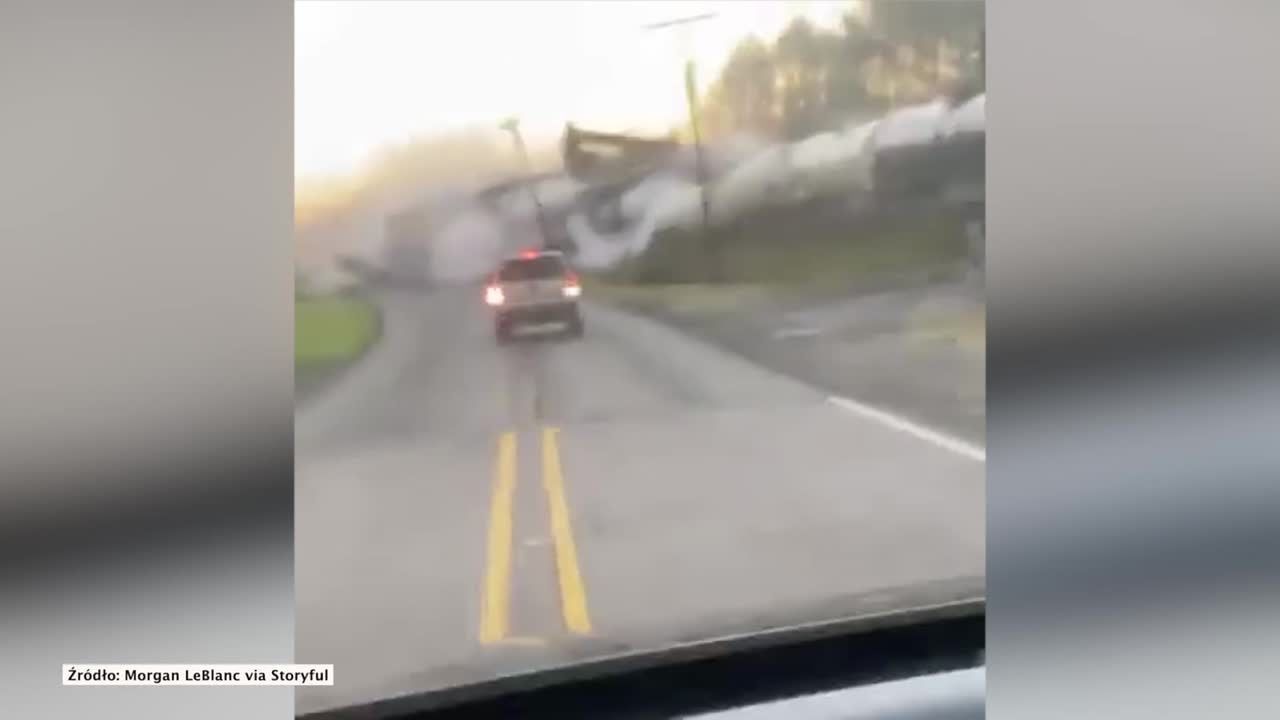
x=465 y=510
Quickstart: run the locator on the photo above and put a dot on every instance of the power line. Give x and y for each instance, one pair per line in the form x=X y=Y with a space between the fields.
x=691 y=90
x=679 y=21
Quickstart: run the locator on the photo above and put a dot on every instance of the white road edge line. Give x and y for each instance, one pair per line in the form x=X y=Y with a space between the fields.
x=942 y=440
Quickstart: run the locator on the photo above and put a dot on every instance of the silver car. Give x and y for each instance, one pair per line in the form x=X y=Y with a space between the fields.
x=534 y=289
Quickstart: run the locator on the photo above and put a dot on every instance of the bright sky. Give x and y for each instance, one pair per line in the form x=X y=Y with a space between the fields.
x=371 y=72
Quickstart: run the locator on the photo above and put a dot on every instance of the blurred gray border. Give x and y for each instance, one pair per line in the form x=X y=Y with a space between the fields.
x=146 y=181
x=1133 y=403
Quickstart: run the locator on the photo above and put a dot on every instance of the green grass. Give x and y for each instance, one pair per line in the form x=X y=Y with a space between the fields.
x=332 y=330
x=795 y=253
x=775 y=258
x=966 y=329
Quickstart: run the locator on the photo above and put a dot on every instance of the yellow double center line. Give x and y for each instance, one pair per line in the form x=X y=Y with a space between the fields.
x=495 y=613
x=573 y=595
x=496 y=605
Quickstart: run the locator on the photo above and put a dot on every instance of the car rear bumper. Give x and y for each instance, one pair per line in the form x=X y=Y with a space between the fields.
x=565 y=312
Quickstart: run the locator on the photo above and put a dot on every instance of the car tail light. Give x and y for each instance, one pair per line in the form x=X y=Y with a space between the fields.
x=572 y=288
x=493 y=295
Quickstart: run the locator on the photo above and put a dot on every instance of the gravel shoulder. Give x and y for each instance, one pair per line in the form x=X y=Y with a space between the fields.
x=916 y=347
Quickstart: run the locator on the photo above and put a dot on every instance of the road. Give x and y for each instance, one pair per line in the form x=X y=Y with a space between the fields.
x=465 y=510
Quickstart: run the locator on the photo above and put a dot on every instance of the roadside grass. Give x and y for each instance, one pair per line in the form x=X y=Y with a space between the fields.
x=332 y=330
x=682 y=273
x=967 y=329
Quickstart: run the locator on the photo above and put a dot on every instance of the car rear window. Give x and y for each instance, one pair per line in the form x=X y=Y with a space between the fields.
x=539 y=268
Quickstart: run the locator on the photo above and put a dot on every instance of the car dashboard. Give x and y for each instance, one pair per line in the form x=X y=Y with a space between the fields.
x=917 y=664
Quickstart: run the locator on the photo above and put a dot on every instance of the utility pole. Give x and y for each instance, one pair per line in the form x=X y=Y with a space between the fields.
x=691 y=91
x=512 y=125
x=982 y=55
x=691 y=95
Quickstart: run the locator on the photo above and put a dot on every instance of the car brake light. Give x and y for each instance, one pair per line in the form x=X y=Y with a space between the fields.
x=572 y=288
x=493 y=295
x=529 y=254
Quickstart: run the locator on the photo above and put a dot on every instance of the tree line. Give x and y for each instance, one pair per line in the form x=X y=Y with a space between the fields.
x=884 y=54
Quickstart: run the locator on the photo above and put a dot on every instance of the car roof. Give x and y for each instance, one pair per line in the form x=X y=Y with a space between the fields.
x=518 y=257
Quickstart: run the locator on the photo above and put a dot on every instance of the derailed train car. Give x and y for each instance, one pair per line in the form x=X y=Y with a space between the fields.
x=932 y=153
x=408 y=261
x=918 y=159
